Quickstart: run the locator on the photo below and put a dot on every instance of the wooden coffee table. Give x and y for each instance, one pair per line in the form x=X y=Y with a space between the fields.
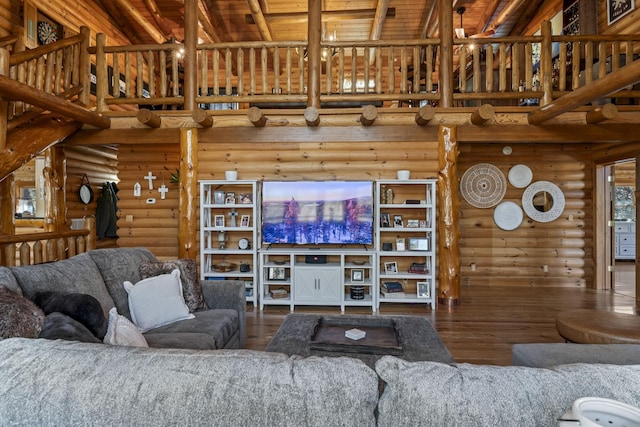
x=411 y=338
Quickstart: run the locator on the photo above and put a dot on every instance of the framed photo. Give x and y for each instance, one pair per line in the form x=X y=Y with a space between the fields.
x=397 y=221
x=413 y=223
x=245 y=220
x=400 y=244
x=391 y=267
x=616 y=9
x=424 y=291
x=357 y=275
x=418 y=244
x=245 y=199
x=218 y=221
x=218 y=197
x=277 y=273
x=230 y=198
x=385 y=220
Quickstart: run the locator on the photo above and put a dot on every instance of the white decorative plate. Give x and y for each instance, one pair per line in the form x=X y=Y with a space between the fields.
x=520 y=176
x=508 y=216
x=483 y=185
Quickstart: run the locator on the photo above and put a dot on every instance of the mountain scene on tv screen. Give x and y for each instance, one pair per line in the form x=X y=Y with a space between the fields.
x=318 y=221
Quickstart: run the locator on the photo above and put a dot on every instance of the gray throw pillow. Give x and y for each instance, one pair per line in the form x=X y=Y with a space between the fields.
x=19 y=317
x=191 y=289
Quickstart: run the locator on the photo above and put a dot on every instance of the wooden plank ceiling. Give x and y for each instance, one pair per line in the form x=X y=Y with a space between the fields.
x=156 y=21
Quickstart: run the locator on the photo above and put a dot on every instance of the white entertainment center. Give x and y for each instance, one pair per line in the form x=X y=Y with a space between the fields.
x=397 y=266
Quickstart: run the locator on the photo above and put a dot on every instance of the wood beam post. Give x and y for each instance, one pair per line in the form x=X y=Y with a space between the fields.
x=85 y=66
x=425 y=115
x=55 y=179
x=202 y=118
x=482 y=114
x=602 y=113
x=546 y=64
x=188 y=228
x=312 y=116
x=369 y=115
x=4 y=105
x=314 y=30
x=190 y=53
x=149 y=118
x=445 y=78
x=448 y=220
x=616 y=80
x=101 y=73
x=257 y=117
x=7 y=217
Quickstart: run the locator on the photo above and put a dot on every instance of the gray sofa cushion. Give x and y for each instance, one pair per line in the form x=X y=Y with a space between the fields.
x=189 y=340
x=89 y=384
x=550 y=354
x=78 y=274
x=8 y=280
x=219 y=324
x=434 y=394
x=58 y=326
x=116 y=266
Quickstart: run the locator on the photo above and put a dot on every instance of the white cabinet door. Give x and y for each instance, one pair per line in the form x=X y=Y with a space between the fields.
x=317 y=284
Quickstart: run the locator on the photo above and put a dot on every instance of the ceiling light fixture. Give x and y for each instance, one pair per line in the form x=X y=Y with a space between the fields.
x=460 y=30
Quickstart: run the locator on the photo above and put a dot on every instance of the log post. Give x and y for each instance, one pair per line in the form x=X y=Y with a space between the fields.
x=448 y=220
x=546 y=64
x=312 y=116
x=425 y=115
x=102 y=84
x=369 y=115
x=190 y=53
x=202 y=118
x=7 y=218
x=149 y=118
x=445 y=78
x=482 y=114
x=314 y=51
x=188 y=228
x=4 y=104
x=90 y=224
x=85 y=66
x=257 y=117
x=599 y=114
x=54 y=172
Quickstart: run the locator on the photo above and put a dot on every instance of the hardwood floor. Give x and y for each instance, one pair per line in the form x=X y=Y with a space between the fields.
x=483 y=328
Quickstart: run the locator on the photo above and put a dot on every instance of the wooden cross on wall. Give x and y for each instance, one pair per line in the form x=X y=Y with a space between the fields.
x=150 y=177
x=163 y=190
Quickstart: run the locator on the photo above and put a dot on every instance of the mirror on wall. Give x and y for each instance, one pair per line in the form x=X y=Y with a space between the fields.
x=543 y=201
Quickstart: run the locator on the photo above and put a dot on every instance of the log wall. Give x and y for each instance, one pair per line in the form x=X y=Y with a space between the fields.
x=509 y=258
x=517 y=257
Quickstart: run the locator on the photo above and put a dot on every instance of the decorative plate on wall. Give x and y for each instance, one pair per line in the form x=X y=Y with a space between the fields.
x=508 y=216
x=483 y=185
x=520 y=176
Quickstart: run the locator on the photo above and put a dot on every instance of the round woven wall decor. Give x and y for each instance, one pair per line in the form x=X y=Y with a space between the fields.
x=483 y=185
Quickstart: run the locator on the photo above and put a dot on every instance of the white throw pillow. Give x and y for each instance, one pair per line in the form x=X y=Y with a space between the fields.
x=122 y=332
x=157 y=301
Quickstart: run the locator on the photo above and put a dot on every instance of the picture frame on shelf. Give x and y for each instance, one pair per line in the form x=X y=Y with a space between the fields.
x=277 y=273
x=391 y=267
x=218 y=197
x=245 y=199
x=357 y=275
x=385 y=220
x=418 y=244
x=245 y=221
x=423 y=290
x=413 y=223
x=397 y=221
x=400 y=244
x=230 y=198
x=218 y=221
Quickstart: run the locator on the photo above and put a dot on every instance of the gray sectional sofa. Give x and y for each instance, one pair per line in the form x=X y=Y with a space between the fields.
x=220 y=323
x=65 y=383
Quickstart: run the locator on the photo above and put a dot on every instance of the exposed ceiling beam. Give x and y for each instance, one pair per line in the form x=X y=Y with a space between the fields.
x=427 y=19
x=151 y=29
x=153 y=9
x=208 y=27
x=378 y=19
x=327 y=16
x=501 y=18
x=260 y=20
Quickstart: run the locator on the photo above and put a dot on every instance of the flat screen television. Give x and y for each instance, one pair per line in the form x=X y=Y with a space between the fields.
x=317 y=212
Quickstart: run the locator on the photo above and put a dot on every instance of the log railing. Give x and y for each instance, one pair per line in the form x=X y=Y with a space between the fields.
x=38 y=248
x=507 y=70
